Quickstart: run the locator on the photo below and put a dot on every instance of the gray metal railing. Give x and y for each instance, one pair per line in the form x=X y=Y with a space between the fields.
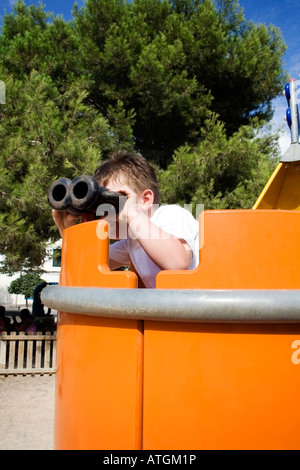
x=209 y=306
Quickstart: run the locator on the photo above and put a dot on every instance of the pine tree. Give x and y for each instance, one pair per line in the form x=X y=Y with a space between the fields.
x=221 y=172
x=188 y=83
x=173 y=62
x=45 y=135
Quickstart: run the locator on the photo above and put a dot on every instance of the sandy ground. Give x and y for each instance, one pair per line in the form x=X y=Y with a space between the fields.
x=27 y=412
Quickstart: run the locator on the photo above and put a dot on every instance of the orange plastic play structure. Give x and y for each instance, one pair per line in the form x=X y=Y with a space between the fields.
x=243 y=249
x=228 y=386
x=99 y=361
x=134 y=384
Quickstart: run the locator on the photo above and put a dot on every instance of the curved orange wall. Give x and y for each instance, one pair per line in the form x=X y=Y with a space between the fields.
x=99 y=361
x=227 y=386
x=128 y=384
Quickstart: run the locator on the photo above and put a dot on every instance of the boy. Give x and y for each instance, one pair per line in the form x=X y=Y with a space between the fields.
x=157 y=238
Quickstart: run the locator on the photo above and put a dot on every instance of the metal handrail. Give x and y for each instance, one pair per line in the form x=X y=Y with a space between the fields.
x=201 y=306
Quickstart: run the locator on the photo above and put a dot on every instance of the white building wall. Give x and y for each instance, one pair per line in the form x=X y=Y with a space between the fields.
x=50 y=275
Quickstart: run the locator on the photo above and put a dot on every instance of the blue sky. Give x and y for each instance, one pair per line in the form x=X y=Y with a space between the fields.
x=285 y=15
x=282 y=13
x=58 y=7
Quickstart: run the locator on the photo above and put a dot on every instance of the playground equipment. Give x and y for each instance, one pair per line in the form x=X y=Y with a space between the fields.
x=283 y=189
x=210 y=359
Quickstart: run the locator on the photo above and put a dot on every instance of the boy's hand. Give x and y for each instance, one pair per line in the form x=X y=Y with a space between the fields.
x=131 y=208
x=63 y=219
x=133 y=213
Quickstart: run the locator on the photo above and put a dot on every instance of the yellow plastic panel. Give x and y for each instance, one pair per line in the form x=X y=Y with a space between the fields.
x=283 y=189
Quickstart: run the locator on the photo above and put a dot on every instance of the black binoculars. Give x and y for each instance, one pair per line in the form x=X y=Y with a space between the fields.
x=83 y=195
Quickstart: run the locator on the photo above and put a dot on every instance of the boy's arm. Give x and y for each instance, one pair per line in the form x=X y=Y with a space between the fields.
x=165 y=250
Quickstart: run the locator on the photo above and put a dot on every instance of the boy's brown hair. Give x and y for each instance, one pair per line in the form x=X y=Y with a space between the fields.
x=131 y=169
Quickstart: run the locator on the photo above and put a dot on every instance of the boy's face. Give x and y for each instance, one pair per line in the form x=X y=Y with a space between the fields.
x=118 y=222
x=135 y=204
x=119 y=187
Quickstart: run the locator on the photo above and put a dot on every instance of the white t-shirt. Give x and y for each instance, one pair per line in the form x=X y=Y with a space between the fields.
x=171 y=219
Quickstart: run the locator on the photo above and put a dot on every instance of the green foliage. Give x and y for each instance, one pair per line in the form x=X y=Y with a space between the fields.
x=221 y=172
x=45 y=135
x=188 y=83
x=25 y=284
x=173 y=62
